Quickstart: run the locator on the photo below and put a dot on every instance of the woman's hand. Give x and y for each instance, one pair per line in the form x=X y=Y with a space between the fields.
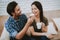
x=50 y=36
x=44 y=28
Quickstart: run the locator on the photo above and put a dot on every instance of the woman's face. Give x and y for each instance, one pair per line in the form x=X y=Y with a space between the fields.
x=35 y=10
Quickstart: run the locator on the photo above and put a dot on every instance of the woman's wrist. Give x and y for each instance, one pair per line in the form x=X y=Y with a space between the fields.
x=44 y=34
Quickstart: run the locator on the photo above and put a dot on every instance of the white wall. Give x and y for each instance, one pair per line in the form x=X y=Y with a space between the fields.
x=26 y=5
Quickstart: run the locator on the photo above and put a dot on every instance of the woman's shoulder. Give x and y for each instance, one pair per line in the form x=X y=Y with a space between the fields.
x=45 y=19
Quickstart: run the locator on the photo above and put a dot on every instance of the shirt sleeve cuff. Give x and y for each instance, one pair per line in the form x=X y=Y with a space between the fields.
x=14 y=34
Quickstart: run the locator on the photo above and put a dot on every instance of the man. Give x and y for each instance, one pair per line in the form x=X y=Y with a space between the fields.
x=17 y=24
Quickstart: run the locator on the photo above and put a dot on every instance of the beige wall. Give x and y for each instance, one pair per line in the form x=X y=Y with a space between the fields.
x=52 y=14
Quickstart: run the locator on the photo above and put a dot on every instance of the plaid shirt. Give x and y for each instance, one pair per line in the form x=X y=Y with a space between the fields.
x=14 y=26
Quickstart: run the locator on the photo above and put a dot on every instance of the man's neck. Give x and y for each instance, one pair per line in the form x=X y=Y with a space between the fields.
x=15 y=17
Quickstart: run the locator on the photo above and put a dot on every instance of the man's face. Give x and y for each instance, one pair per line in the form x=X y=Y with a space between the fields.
x=17 y=11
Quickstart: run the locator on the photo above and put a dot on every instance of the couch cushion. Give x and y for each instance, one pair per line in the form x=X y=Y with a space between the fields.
x=4 y=35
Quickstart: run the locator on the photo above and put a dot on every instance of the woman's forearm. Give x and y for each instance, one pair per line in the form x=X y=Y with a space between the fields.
x=38 y=34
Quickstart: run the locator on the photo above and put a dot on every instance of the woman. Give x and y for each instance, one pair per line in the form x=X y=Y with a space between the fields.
x=38 y=34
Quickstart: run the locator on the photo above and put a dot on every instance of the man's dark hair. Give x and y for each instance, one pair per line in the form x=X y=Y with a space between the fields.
x=10 y=7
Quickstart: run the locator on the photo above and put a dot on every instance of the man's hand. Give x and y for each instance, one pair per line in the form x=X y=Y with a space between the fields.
x=30 y=20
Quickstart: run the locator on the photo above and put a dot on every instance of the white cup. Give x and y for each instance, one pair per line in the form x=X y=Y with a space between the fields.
x=39 y=25
x=31 y=14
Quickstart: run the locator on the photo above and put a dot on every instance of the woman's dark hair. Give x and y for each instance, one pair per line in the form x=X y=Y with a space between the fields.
x=11 y=6
x=39 y=6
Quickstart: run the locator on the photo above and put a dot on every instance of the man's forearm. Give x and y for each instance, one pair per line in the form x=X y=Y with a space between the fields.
x=22 y=32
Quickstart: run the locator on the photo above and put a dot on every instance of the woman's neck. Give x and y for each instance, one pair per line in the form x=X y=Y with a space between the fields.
x=37 y=19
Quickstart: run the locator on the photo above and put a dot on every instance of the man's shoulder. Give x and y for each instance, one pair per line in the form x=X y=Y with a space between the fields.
x=8 y=21
x=23 y=16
